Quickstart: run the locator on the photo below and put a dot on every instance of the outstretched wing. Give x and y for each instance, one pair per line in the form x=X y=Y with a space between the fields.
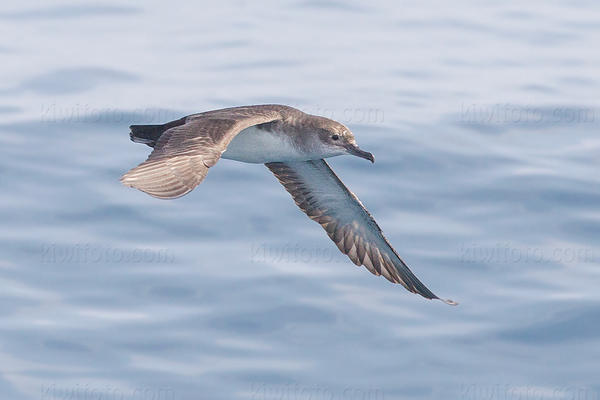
x=318 y=192
x=183 y=154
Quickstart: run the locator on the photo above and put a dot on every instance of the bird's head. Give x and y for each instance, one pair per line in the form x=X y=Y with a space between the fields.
x=338 y=139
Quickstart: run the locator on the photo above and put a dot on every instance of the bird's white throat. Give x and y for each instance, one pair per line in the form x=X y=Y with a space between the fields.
x=253 y=145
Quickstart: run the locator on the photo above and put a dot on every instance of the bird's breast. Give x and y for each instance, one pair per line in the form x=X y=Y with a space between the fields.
x=254 y=145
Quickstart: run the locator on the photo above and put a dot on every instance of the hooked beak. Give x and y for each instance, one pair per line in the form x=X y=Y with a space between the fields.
x=356 y=151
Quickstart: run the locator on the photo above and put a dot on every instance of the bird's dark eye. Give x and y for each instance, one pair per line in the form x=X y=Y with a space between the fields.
x=335 y=137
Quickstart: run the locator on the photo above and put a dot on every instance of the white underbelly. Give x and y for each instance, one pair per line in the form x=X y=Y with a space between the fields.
x=253 y=145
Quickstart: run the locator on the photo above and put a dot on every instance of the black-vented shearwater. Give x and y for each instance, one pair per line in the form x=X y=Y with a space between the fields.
x=293 y=145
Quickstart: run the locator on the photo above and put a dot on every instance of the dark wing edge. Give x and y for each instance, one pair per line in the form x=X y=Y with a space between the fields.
x=183 y=154
x=350 y=225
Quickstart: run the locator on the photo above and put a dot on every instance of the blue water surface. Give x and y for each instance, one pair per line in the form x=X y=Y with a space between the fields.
x=483 y=118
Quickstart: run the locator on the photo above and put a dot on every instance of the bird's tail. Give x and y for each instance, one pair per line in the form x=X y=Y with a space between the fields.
x=149 y=134
x=146 y=134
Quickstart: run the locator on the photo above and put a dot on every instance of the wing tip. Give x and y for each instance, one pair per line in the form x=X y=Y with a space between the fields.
x=448 y=301
x=127 y=180
x=131 y=182
x=123 y=180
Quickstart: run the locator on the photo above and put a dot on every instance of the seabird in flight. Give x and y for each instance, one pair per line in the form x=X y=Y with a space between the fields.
x=293 y=145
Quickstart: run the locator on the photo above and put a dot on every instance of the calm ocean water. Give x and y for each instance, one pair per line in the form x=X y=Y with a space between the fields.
x=483 y=119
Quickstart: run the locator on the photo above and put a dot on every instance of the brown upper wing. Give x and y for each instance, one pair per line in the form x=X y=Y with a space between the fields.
x=183 y=154
x=318 y=192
